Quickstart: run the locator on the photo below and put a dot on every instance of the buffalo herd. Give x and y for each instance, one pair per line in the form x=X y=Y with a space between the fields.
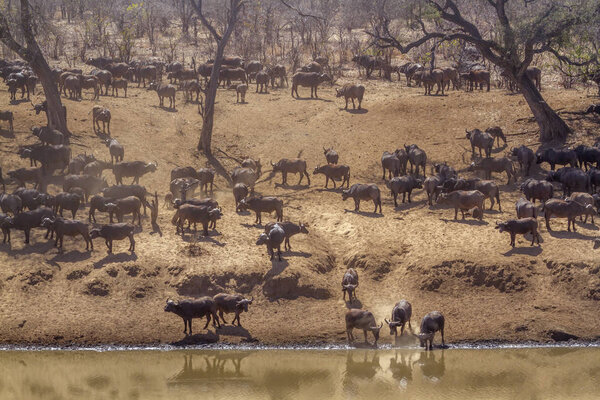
x=404 y=172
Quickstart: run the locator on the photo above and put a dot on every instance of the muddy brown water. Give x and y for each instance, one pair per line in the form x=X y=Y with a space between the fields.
x=506 y=373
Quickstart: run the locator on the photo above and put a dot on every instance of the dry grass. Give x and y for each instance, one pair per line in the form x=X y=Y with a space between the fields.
x=465 y=269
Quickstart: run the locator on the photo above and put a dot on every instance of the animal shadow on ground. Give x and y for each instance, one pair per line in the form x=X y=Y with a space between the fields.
x=589 y=226
x=277 y=267
x=234 y=330
x=298 y=254
x=31 y=248
x=355 y=303
x=167 y=109
x=198 y=338
x=330 y=189
x=354 y=111
x=408 y=206
x=465 y=221
x=15 y=102
x=115 y=258
x=7 y=134
x=246 y=225
x=211 y=239
x=364 y=213
x=292 y=187
x=313 y=98
x=570 y=235
x=71 y=256
x=496 y=150
x=528 y=251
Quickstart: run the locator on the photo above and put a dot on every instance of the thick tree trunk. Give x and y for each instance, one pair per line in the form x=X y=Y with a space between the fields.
x=205 y=142
x=552 y=126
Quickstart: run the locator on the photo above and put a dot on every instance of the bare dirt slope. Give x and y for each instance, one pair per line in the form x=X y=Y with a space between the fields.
x=465 y=269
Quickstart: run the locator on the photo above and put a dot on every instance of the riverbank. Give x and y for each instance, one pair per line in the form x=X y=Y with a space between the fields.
x=465 y=269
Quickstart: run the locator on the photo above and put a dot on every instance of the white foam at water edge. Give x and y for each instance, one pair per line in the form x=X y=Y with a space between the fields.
x=309 y=347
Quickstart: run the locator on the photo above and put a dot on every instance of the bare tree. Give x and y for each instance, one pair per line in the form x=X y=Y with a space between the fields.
x=507 y=33
x=31 y=52
x=205 y=142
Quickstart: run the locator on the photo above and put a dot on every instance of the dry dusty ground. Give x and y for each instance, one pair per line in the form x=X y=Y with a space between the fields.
x=465 y=269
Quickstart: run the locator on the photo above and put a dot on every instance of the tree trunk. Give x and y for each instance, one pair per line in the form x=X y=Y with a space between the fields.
x=57 y=118
x=552 y=126
x=205 y=142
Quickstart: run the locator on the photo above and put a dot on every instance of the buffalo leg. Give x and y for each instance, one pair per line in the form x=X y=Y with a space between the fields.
x=287 y=244
x=185 y=325
x=456 y=213
x=223 y=318
x=365 y=333
x=350 y=336
x=109 y=245
x=345 y=108
x=356 y=204
x=512 y=239
x=395 y=201
x=207 y=321
x=131 y=243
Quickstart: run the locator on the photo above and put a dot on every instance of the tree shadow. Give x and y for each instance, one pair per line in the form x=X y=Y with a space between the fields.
x=198 y=338
x=527 y=251
x=355 y=111
x=219 y=168
x=115 y=258
x=364 y=213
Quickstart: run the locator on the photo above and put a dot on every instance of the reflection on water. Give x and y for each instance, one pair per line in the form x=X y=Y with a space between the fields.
x=543 y=373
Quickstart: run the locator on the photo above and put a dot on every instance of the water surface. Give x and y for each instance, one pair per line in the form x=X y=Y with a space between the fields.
x=524 y=373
